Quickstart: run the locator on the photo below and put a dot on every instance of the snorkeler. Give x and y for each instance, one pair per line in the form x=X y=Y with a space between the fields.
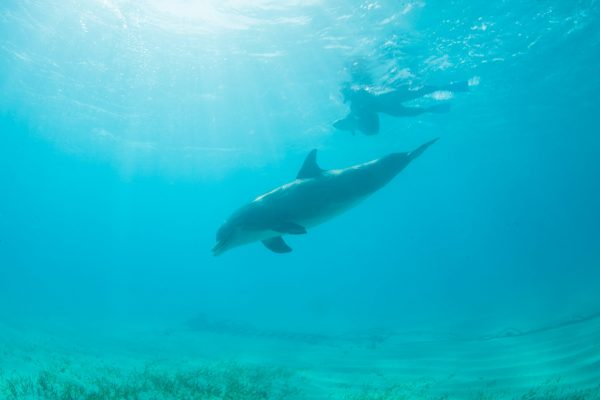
x=366 y=104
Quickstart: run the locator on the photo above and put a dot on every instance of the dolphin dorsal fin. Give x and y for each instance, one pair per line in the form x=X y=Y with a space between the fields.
x=310 y=168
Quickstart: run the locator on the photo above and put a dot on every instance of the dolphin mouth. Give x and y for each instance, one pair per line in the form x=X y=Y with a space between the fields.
x=219 y=248
x=342 y=124
x=338 y=124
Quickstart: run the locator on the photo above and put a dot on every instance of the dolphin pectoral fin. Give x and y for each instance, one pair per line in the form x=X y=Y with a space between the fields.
x=277 y=245
x=310 y=168
x=291 y=228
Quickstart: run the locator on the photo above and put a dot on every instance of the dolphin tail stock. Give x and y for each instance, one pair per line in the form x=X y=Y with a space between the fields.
x=419 y=150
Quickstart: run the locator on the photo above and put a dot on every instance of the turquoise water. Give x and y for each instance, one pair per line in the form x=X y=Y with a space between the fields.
x=129 y=131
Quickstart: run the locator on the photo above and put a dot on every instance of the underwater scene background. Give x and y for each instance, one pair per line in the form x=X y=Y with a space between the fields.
x=129 y=131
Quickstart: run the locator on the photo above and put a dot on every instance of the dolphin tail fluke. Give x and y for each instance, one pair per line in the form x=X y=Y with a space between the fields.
x=419 y=150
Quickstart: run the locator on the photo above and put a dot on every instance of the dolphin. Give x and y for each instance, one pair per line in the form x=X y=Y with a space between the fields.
x=315 y=196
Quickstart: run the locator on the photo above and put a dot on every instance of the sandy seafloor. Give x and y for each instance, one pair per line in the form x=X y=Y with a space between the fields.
x=560 y=361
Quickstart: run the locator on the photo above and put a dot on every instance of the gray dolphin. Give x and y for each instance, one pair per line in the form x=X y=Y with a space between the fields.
x=315 y=196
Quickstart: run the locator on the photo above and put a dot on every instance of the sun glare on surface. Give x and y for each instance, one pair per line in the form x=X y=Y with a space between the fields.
x=229 y=14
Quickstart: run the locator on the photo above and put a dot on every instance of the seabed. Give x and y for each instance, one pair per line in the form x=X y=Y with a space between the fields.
x=560 y=362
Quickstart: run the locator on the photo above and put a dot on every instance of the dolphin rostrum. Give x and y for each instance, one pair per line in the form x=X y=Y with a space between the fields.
x=315 y=196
